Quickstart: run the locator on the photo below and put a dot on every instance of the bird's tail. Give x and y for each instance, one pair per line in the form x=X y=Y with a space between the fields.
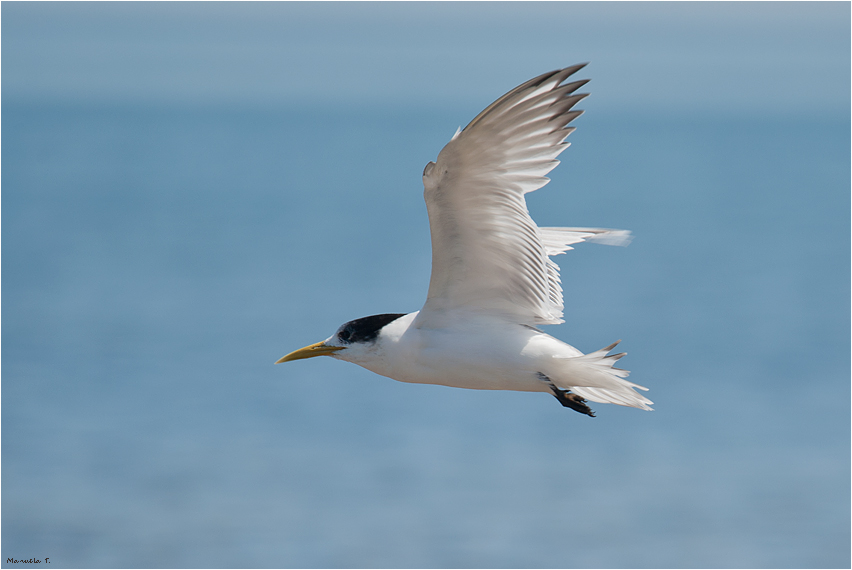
x=594 y=377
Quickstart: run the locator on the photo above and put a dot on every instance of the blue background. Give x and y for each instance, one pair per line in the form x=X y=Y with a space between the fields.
x=192 y=190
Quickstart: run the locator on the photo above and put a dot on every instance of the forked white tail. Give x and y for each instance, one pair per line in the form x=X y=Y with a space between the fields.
x=594 y=377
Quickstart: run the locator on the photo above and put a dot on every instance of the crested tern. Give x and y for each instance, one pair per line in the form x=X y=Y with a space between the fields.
x=493 y=282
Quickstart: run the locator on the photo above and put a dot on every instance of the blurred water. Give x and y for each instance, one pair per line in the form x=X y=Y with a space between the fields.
x=157 y=260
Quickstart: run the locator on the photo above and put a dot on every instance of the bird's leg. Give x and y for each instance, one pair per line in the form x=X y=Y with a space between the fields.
x=573 y=401
x=567 y=398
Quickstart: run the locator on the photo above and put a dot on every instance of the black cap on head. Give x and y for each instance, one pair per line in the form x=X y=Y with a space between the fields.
x=365 y=329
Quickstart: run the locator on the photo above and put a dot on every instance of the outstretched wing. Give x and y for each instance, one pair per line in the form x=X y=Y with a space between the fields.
x=487 y=253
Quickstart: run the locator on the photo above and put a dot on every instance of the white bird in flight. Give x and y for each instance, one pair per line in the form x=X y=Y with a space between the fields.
x=493 y=281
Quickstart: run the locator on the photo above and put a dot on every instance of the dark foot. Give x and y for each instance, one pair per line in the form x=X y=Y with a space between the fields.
x=573 y=401
x=566 y=398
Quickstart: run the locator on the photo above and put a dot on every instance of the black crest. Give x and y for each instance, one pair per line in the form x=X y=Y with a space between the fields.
x=366 y=329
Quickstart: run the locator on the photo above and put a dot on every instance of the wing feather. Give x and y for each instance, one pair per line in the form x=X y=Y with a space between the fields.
x=487 y=253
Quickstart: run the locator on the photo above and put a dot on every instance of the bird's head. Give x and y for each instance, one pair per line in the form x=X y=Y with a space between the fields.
x=348 y=341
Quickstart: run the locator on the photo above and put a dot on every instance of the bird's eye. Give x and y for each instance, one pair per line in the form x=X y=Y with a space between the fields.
x=344 y=335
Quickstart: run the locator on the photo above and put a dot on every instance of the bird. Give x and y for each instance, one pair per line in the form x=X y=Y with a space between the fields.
x=493 y=282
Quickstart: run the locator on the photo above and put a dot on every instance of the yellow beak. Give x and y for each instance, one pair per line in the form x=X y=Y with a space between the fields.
x=316 y=349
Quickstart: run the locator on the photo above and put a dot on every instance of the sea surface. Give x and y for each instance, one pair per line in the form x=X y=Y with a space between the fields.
x=157 y=259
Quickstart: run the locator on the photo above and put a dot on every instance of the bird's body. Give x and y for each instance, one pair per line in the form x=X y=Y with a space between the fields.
x=455 y=355
x=493 y=282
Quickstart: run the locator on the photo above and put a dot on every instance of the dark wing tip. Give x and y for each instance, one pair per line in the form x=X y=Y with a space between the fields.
x=566 y=72
x=559 y=75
